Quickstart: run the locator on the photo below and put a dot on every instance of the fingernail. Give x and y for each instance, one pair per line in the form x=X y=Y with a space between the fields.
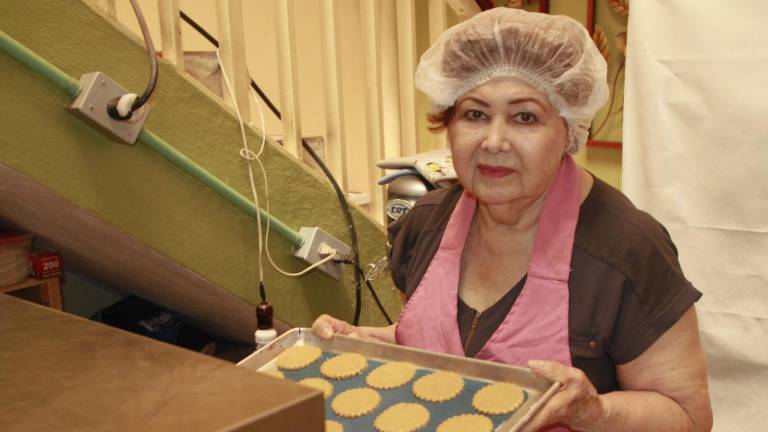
x=536 y=364
x=327 y=333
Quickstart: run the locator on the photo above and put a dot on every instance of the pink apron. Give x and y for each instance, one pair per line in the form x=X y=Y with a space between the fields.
x=537 y=325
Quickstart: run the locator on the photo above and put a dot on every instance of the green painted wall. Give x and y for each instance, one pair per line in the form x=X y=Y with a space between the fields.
x=139 y=192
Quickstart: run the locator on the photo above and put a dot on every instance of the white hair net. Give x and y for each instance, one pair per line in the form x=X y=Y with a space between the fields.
x=552 y=53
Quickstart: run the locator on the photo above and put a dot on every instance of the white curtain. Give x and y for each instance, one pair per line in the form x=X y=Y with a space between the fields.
x=696 y=157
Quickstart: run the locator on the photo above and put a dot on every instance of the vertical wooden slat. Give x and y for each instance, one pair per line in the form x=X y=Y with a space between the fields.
x=232 y=50
x=170 y=32
x=438 y=20
x=334 y=97
x=371 y=30
x=289 y=81
x=406 y=49
x=464 y=9
x=390 y=87
x=110 y=7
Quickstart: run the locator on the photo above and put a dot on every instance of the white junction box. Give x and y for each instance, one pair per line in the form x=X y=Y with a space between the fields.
x=316 y=245
x=96 y=90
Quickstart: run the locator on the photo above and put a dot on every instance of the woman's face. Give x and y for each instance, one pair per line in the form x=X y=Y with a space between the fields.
x=507 y=141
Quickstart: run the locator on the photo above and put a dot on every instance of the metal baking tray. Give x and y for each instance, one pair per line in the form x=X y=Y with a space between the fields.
x=476 y=373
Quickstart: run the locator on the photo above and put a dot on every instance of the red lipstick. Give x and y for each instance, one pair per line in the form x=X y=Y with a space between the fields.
x=494 y=171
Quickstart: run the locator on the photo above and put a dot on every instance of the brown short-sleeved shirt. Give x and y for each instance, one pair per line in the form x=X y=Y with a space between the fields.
x=626 y=286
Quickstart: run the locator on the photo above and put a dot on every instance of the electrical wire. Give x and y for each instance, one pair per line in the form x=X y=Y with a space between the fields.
x=340 y=195
x=123 y=107
x=152 y=59
x=249 y=156
x=352 y=231
x=215 y=43
x=376 y=297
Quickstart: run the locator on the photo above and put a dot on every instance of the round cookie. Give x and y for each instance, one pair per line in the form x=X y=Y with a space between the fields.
x=320 y=384
x=438 y=386
x=466 y=422
x=391 y=375
x=356 y=402
x=402 y=417
x=333 y=426
x=275 y=373
x=343 y=366
x=498 y=398
x=298 y=356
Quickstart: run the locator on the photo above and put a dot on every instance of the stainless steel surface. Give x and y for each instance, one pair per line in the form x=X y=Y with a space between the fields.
x=538 y=389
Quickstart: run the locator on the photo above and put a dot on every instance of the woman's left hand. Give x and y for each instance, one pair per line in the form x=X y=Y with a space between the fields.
x=577 y=404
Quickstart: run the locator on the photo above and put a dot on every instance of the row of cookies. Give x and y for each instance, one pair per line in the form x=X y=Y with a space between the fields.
x=437 y=387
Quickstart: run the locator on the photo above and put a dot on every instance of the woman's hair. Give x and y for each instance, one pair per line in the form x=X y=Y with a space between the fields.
x=439 y=121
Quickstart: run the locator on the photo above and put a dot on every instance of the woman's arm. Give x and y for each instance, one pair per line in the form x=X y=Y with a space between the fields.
x=665 y=388
x=325 y=326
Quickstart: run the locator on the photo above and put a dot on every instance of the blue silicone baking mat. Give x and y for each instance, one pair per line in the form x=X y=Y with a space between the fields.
x=439 y=411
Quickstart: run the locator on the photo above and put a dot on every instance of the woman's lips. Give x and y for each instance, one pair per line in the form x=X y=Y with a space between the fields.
x=494 y=170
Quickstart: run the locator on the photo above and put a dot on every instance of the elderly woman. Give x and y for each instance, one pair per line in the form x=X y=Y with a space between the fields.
x=531 y=260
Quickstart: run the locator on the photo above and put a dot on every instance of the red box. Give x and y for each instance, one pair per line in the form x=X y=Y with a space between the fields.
x=45 y=264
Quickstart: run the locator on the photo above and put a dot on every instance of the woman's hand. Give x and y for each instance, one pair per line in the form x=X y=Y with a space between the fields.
x=576 y=405
x=325 y=326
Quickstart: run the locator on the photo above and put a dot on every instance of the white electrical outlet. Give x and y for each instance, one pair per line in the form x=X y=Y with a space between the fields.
x=317 y=245
x=90 y=104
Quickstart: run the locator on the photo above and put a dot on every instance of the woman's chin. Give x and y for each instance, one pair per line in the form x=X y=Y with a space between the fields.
x=495 y=195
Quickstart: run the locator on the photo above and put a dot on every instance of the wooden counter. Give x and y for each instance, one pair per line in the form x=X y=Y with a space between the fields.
x=60 y=372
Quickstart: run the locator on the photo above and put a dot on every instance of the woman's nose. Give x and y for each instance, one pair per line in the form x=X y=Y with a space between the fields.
x=497 y=139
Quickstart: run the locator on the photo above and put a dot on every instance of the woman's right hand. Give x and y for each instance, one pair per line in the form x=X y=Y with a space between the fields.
x=325 y=326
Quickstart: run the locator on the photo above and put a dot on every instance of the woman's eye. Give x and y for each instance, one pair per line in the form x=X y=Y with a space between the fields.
x=526 y=117
x=474 y=114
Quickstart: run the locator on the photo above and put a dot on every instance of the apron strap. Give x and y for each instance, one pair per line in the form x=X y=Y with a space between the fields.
x=553 y=244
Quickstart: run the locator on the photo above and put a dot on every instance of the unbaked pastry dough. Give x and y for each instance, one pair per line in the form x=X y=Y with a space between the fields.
x=391 y=375
x=298 y=356
x=356 y=402
x=320 y=384
x=438 y=386
x=466 y=422
x=498 y=398
x=402 y=417
x=344 y=366
x=333 y=426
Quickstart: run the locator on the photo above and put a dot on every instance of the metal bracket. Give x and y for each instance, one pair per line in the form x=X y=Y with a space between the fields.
x=91 y=105
x=315 y=239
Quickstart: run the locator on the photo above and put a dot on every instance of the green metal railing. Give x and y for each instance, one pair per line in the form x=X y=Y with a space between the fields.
x=71 y=87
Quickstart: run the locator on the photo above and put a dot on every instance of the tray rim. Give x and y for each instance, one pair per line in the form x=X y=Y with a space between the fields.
x=304 y=335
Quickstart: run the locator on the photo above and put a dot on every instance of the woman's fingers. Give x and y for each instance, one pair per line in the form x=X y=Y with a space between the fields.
x=577 y=404
x=325 y=326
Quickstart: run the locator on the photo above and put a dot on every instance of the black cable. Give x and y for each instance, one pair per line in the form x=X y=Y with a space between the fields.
x=141 y=100
x=199 y=29
x=262 y=292
x=350 y=225
x=376 y=298
x=339 y=193
x=215 y=43
x=152 y=59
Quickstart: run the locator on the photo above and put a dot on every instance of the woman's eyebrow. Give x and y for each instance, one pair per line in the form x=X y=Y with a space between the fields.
x=514 y=101
x=526 y=99
x=476 y=100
